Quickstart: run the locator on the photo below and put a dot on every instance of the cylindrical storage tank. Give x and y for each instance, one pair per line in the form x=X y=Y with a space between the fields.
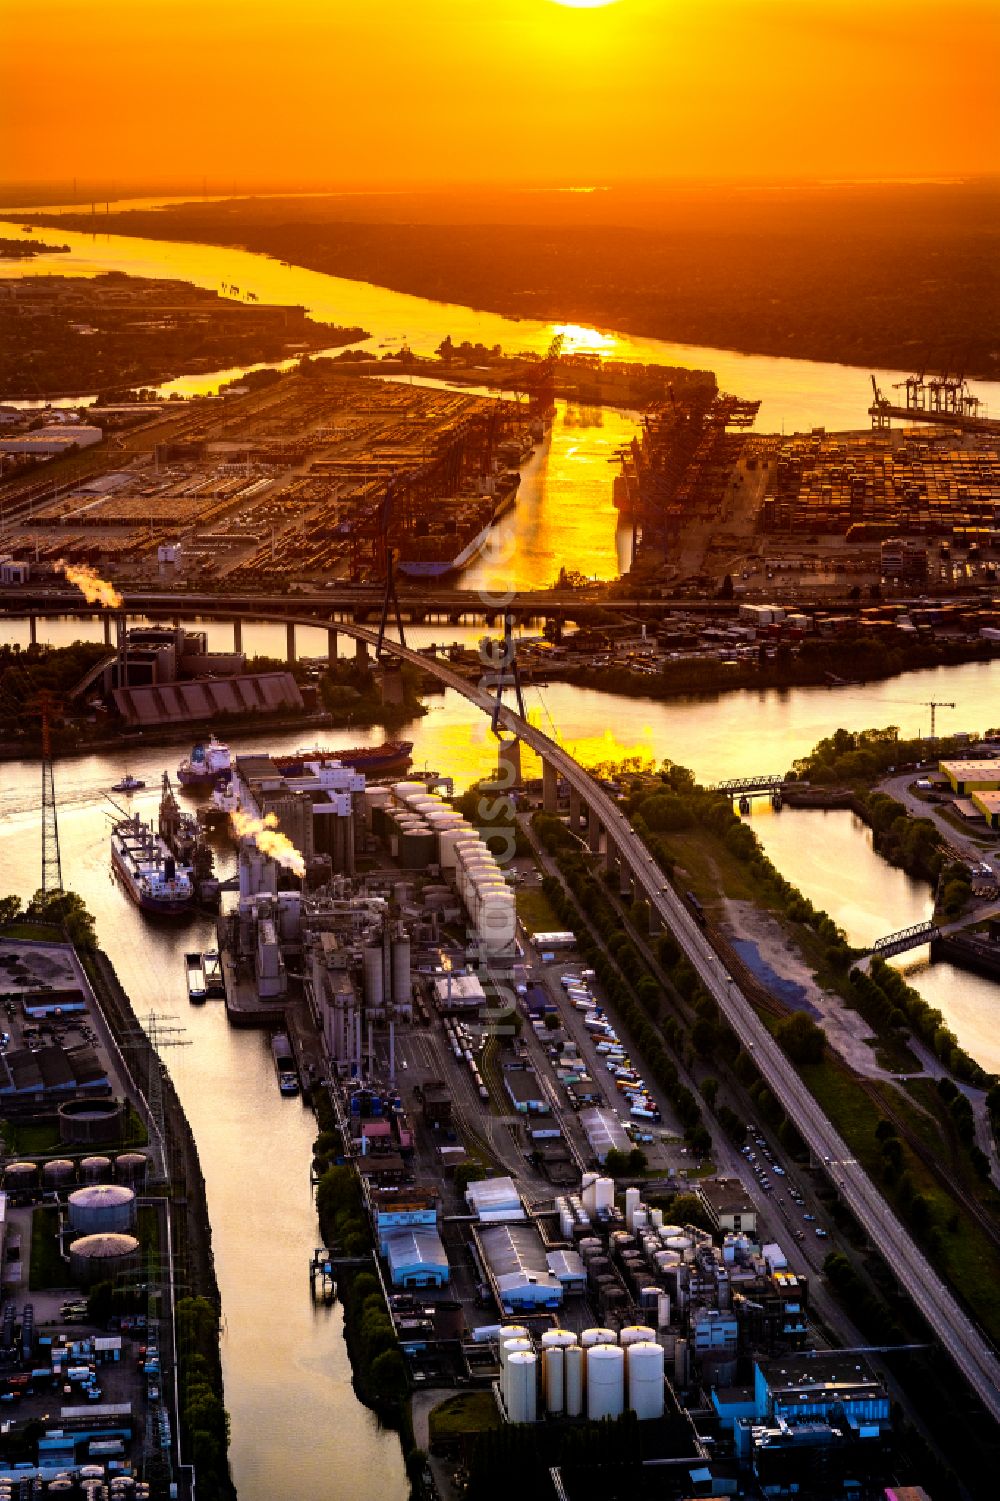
x=102 y=1207
x=102 y=1258
x=402 y=982
x=680 y=1243
x=605 y=1189
x=20 y=1176
x=656 y=1218
x=512 y=1331
x=666 y=1231
x=409 y=789
x=645 y=1379
x=558 y=1337
x=417 y=850
x=667 y=1260
x=634 y=1334
x=132 y=1169
x=554 y=1378
x=58 y=1172
x=573 y=1368
x=509 y=1347
x=91 y=1120
x=566 y=1222
x=497 y=924
x=633 y=1198
x=449 y=840
x=522 y=1384
x=591 y=1337
x=605 y=1382
x=374 y=975
x=95 y=1169
x=588 y=1191
x=640 y=1219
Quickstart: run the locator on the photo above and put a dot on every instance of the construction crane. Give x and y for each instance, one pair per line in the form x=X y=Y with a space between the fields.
x=934 y=704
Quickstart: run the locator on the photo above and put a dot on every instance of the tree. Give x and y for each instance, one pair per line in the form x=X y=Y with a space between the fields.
x=709 y=1089
x=66 y=910
x=800 y=1037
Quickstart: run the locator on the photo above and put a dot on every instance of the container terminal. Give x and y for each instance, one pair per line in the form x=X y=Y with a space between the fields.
x=480 y=1087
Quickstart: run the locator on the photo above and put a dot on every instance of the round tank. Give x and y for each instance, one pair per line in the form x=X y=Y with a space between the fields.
x=592 y=1337
x=666 y=1231
x=605 y=1382
x=633 y=1334
x=605 y=1189
x=679 y=1243
x=573 y=1366
x=102 y=1258
x=90 y=1120
x=553 y=1338
x=58 y=1172
x=633 y=1198
x=404 y=790
x=512 y=1331
x=102 y=1207
x=95 y=1169
x=656 y=1218
x=132 y=1168
x=554 y=1377
x=20 y=1175
x=645 y=1379
x=640 y=1219
x=522 y=1383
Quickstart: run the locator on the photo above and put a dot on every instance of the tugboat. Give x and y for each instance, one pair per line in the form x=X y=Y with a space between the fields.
x=128 y=783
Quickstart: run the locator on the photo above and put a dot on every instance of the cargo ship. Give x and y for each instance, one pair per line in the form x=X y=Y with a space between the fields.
x=215 y=985
x=456 y=534
x=284 y=1064
x=372 y=760
x=194 y=968
x=151 y=875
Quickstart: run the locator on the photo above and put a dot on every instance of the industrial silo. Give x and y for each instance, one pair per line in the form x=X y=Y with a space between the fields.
x=374 y=981
x=95 y=1169
x=522 y=1382
x=573 y=1369
x=633 y=1199
x=645 y=1379
x=633 y=1334
x=402 y=983
x=102 y=1258
x=102 y=1207
x=132 y=1169
x=57 y=1173
x=591 y=1337
x=605 y=1382
x=417 y=849
x=554 y=1378
x=604 y=1192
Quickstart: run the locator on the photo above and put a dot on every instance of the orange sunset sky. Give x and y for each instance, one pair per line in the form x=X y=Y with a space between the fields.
x=316 y=93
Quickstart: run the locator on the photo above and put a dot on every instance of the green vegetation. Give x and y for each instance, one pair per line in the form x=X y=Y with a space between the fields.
x=30 y=1138
x=47 y=1266
x=536 y=911
x=800 y=1037
x=28 y=671
x=469 y=1412
x=204 y=1420
x=376 y=1360
x=351 y=693
x=487 y=806
x=59 y=910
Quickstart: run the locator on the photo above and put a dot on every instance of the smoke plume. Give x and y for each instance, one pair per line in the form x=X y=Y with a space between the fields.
x=263 y=832
x=95 y=590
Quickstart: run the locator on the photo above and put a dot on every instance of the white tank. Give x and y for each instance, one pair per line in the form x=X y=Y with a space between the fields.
x=645 y=1379
x=554 y=1377
x=522 y=1383
x=566 y=1223
x=663 y=1311
x=633 y=1198
x=509 y=1347
x=640 y=1219
x=680 y=1243
x=573 y=1368
x=666 y=1231
x=591 y=1337
x=102 y=1207
x=409 y=789
x=605 y=1382
x=497 y=922
x=558 y=1337
x=656 y=1218
x=605 y=1190
x=633 y=1334
x=447 y=843
x=588 y=1192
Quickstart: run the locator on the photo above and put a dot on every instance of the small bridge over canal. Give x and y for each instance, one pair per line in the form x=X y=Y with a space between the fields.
x=906 y=938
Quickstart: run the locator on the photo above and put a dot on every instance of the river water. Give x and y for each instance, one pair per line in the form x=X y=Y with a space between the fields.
x=297 y=1427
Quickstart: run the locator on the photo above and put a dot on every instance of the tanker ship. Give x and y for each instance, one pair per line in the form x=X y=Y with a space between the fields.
x=211 y=765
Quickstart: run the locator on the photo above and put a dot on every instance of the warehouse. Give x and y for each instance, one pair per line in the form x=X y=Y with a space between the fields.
x=518 y=1267
x=494 y=1199
x=604 y=1132
x=972 y=776
x=988 y=804
x=416 y=1257
x=525 y=1091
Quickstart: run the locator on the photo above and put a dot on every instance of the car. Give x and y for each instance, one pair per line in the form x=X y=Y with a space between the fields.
x=821 y=1232
x=809 y=1217
x=779 y=1170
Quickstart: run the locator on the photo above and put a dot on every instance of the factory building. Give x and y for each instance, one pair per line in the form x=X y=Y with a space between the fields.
x=515 y=1259
x=406 y=1231
x=817 y=1386
x=604 y=1132
x=494 y=1199
x=728 y=1205
x=526 y=1094
x=988 y=804
x=166 y=675
x=51 y=442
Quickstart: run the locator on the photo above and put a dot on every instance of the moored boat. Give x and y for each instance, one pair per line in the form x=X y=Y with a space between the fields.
x=197 y=988
x=152 y=877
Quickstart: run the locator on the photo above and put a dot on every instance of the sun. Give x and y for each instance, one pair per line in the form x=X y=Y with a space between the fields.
x=585 y=4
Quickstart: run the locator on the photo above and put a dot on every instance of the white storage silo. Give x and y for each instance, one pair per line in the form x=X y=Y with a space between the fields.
x=591 y=1337
x=640 y=1219
x=605 y=1382
x=680 y=1243
x=605 y=1195
x=634 y=1334
x=645 y=1379
x=554 y=1377
x=666 y=1231
x=561 y=1337
x=497 y=924
x=656 y=1218
x=588 y=1191
x=522 y=1383
x=403 y=790
x=573 y=1369
x=509 y=1347
x=633 y=1198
